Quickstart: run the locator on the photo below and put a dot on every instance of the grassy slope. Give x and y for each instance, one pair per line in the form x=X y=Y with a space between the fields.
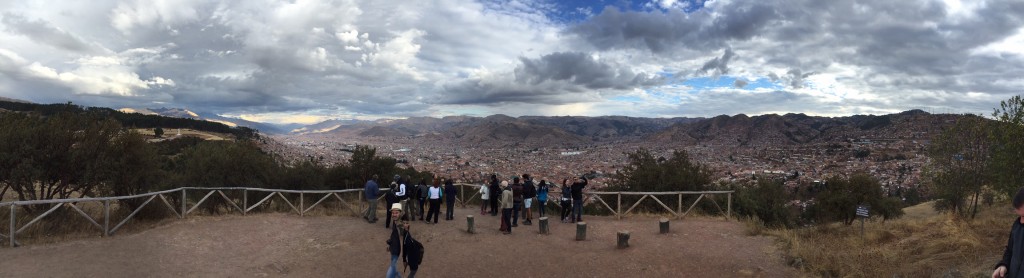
x=921 y=244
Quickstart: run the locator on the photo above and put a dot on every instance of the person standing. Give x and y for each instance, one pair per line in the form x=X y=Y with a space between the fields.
x=484 y=196
x=529 y=192
x=434 y=198
x=577 y=198
x=542 y=196
x=370 y=191
x=495 y=194
x=506 y=208
x=424 y=191
x=410 y=199
x=566 y=201
x=400 y=194
x=390 y=199
x=398 y=229
x=449 y=200
x=1013 y=255
x=517 y=200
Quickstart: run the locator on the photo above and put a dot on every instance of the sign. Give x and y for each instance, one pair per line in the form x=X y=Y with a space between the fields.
x=862 y=211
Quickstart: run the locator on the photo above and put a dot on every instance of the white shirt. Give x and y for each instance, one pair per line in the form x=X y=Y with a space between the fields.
x=401 y=190
x=483 y=192
x=435 y=192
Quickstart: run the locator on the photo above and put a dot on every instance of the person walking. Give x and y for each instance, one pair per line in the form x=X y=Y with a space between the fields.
x=566 y=201
x=577 y=198
x=529 y=192
x=449 y=194
x=484 y=197
x=434 y=197
x=423 y=190
x=542 y=196
x=398 y=229
x=517 y=200
x=506 y=208
x=495 y=194
x=370 y=191
x=1013 y=255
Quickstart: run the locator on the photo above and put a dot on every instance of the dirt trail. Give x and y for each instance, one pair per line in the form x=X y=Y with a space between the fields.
x=287 y=245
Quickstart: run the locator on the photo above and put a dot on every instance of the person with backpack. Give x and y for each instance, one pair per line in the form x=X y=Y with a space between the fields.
x=424 y=191
x=398 y=230
x=449 y=194
x=542 y=196
x=434 y=197
x=506 y=208
x=517 y=200
x=566 y=201
x=529 y=192
x=495 y=194
x=484 y=196
x=412 y=253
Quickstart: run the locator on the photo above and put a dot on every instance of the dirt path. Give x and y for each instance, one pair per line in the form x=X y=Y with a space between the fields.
x=286 y=245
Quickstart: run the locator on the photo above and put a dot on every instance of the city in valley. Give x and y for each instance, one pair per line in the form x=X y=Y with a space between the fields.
x=804 y=150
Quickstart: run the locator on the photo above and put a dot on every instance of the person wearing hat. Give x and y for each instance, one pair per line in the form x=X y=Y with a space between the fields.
x=398 y=230
x=506 y=208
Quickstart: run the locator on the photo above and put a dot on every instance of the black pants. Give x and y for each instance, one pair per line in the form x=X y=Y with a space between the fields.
x=494 y=205
x=435 y=209
x=516 y=207
x=387 y=221
x=566 y=210
x=449 y=214
x=422 y=208
x=505 y=224
x=540 y=206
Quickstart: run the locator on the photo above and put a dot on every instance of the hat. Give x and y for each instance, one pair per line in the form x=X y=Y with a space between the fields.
x=396 y=206
x=504 y=183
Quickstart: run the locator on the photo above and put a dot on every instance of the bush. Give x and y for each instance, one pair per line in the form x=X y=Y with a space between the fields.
x=767 y=201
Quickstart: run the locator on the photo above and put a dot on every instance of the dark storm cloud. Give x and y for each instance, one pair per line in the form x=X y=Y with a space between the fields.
x=718 y=65
x=557 y=78
x=45 y=33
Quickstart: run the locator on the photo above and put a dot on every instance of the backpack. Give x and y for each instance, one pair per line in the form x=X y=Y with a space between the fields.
x=414 y=250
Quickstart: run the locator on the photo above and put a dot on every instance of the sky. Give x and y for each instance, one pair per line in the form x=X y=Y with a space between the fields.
x=304 y=61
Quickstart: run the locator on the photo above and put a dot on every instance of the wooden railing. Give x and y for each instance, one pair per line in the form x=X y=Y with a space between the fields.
x=243 y=206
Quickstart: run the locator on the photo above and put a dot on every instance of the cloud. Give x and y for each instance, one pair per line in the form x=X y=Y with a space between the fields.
x=45 y=33
x=719 y=65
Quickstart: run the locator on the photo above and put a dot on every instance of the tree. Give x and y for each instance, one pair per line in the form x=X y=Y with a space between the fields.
x=959 y=167
x=1008 y=146
x=841 y=196
x=365 y=163
x=158 y=132
x=767 y=201
x=644 y=172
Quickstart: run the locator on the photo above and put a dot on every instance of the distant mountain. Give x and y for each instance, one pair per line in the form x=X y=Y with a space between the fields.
x=188 y=114
x=608 y=127
x=324 y=126
x=793 y=129
x=13 y=100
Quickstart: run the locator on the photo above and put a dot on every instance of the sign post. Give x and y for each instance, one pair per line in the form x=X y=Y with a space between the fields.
x=862 y=212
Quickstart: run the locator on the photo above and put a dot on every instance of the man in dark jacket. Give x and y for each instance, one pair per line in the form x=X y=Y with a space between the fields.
x=1013 y=255
x=577 y=198
x=495 y=194
x=529 y=192
x=423 y=190
x=517 y=200
x=449 y=199
x=390 y=198
x=370 y=191
x=398 y=231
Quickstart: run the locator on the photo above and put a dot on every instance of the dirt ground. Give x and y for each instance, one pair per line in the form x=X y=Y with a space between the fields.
x=274 y=245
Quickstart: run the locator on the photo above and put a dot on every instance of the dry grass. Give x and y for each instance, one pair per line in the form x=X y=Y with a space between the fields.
x=922 y=244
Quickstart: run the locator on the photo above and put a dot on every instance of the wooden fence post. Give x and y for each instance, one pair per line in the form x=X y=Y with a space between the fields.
x=302 y=199
x=106 y=217
x=469 y=224
x=581 y=230
x=544 y=228
x=663 y=225
x=13 y=225
x=184 y=202
x=245 y=201
x=728 y=210
x=623 y=239
x=618 y=207
x=679 y=209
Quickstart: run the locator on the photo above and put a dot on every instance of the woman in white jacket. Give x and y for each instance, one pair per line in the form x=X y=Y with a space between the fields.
x=484 y=193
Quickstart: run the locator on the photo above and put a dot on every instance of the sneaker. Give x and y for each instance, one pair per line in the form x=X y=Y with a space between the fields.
x=515 y=225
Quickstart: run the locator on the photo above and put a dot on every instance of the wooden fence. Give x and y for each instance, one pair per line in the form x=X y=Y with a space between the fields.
x=243 y=206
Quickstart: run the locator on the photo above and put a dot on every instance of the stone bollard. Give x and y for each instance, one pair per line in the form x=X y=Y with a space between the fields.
x=663 y=225
x=544 y=225
x=581 y=230
x=623 y=239
x=469 y=224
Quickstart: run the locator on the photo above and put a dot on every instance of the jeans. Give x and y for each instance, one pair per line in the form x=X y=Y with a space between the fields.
x=577 y=209
x=566 y=209
x=371 y=210
x=541 y=205
x=393 y=269
x=516 y=207
x=449 y=214
x=435 y=209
